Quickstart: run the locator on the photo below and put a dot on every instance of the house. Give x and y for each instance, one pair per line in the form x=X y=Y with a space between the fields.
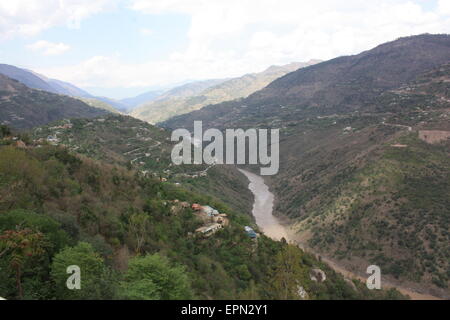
x=210 y=211
x=52 y=139
x=209 y=229
x=221 y=219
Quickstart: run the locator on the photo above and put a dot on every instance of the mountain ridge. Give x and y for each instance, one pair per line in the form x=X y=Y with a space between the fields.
x=22 y=107
x=239 y=87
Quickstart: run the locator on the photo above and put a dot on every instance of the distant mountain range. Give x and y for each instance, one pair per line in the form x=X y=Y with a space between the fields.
x=146 y=97
x=37 y=81
x=184 y=99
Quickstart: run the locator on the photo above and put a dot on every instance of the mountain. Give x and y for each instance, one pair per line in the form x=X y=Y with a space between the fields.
x=343 y=84
x=97 y=103
x=37 y=81
x=171 y=105
x=68 y=89
x=146 y=97
x=119 y=106
x=364 y=156
x=28 y=78
x=22 y=107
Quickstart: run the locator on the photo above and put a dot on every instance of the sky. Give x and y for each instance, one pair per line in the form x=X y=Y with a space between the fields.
x=120 y=48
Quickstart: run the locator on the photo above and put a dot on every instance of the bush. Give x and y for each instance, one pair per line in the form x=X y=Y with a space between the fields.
x=151 y=277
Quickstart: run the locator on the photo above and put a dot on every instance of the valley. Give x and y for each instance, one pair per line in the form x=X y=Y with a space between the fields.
x=364 y=179
x=359 y=182
x=269 y=224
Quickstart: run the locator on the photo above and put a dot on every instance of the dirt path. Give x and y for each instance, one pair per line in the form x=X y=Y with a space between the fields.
x=262 y=211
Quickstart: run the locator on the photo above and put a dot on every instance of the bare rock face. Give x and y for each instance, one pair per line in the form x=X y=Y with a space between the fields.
x=317 y=275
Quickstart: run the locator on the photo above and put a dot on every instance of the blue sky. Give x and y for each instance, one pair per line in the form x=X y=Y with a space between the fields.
x=120 y=48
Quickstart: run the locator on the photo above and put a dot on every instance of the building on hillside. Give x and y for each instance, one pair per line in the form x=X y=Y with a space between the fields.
x=210 y=211
x=52 y=139
x=209 y=230
x=221 y=219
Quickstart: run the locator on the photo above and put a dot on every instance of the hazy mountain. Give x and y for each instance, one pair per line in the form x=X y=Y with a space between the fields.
x=114 y=103
x=68 y=89
x=22 y=107
x=172 y=104
x=37 y=81
x=146 y=97
x=358 y=177
x=26 y=77
x=97 y=103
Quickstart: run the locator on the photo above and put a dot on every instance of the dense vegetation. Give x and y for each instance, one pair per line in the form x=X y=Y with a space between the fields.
x=132 y=239
x=129 y=142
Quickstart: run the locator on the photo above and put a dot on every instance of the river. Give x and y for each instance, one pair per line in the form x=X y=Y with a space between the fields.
x=271 y=226
x=263 y=207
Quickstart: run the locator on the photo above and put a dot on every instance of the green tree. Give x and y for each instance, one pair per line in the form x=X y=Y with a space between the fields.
x=4 y=131
x=94 y=274
x=152 y=277
x=289 y=274
x=35 y=272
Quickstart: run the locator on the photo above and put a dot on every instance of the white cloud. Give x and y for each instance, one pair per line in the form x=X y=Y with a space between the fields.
x=229 y=38
x=49 y=48
x=146 y=32
x=30 y=17
x=444 y=7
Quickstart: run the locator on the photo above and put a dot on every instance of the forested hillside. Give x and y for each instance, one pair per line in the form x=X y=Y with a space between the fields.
x=134 y=237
